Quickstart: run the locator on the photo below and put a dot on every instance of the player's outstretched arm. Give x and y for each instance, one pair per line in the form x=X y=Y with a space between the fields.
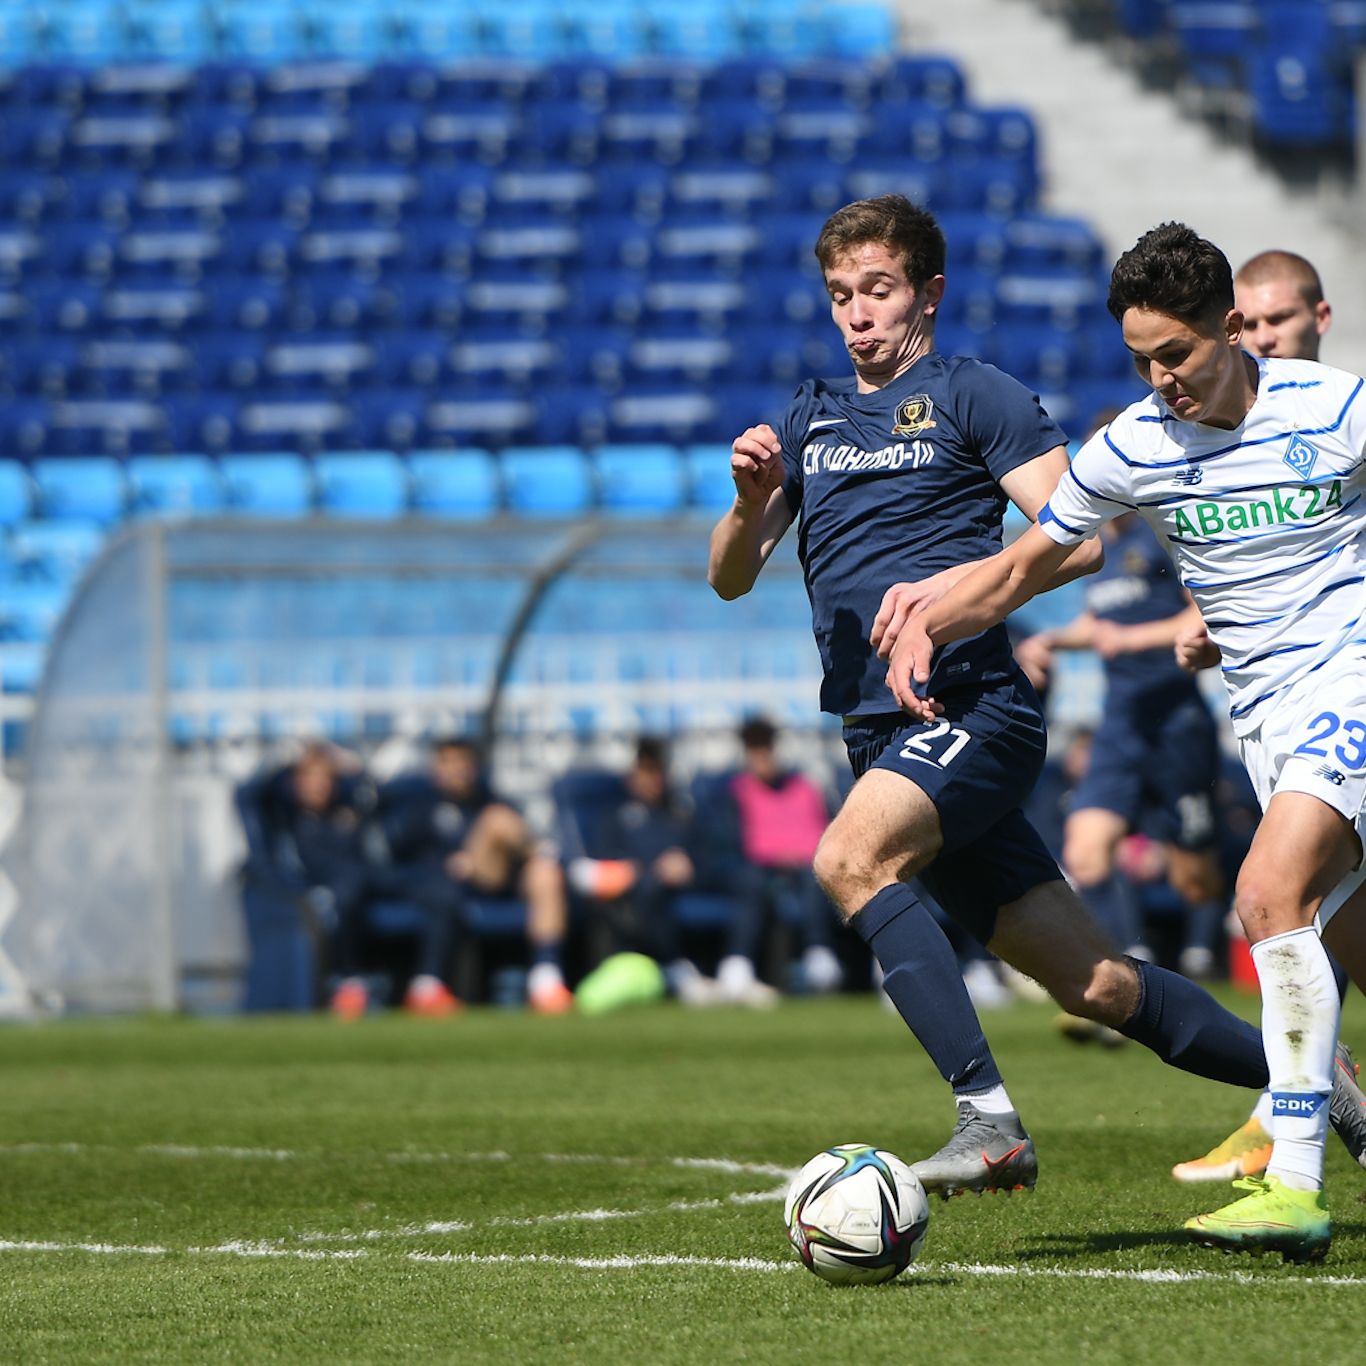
x=994 y=589
x=743 y=539
x=1029 y=487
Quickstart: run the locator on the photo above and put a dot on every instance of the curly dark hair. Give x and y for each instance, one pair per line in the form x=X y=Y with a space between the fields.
x=895 y=223
x=1172 y=269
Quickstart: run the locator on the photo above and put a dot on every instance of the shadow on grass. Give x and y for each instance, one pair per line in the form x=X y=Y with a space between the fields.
x=1065 y=1245
x=1056 y=1245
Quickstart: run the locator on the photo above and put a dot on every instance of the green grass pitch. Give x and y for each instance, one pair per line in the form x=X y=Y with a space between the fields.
x=502 y=1188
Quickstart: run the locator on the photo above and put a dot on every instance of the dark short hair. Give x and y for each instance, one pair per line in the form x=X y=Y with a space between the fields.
x=1172 y=269
x=893 y=221
x=652 y=751
x=758 y=732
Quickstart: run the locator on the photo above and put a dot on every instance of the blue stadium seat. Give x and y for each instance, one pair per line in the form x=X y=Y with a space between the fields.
x=702 y=30
x=261 y=31
x=268 y=485
x=676 y=415
x=89 y=488
x=25 y=429
x=361 y=484
x=33 y=137
x=647 y=479
x=20 y=37
x=55 y=552
x=356 y=31
x=202 y=422
x=547 y=481
x=30 y=611
x=302 y=422
x=388 y=418
x=490 y=414
x=228 y=360
x=859 y=30
x=16 y=493
x=87 y=33
x=182 y=30
x=21 y=669
x=434 y=32
x=936 y=80
x=174 y=486
x=530 y=31
x=1214 y=36
x=707 y=471
x=458 y=483
x=1295 y=101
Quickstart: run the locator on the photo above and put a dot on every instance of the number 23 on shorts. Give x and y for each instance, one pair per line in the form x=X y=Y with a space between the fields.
x=1328 y=727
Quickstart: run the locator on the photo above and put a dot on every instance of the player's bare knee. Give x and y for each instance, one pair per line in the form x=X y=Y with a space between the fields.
x=837 y=872
x=1265 y=906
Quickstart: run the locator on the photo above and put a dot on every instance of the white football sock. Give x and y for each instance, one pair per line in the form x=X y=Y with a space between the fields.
x=993 y=1101
x=1261 y=1112
x=1300 y=1009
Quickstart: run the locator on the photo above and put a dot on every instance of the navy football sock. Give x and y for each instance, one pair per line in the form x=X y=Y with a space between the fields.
x=1185 y=1026
x=1112 y=905
x=920 y=974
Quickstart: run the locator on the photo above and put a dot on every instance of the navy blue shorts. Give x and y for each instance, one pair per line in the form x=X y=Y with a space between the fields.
x=977 y=764
x=1155 y=765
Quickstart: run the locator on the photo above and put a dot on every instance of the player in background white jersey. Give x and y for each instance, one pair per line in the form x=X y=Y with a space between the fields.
x=1252 y=473
x=1285 y=315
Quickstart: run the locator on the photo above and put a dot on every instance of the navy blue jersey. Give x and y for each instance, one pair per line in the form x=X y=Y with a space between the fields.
x=893 y=486
x=1137 y=584
x=293 y=844
x=423 y=824
x=640 y=832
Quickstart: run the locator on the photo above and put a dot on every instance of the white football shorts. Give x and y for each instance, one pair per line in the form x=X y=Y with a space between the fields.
x=1314 y=740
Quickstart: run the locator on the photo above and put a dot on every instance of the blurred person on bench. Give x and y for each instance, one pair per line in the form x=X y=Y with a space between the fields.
x=305 y=879
x=781 y=815
x=641 y=858
x=449 y=837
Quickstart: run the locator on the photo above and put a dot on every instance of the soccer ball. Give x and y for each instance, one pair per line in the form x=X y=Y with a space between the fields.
x=856 y=1215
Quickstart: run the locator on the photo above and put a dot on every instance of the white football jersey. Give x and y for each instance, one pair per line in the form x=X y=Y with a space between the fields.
x=1266 y=523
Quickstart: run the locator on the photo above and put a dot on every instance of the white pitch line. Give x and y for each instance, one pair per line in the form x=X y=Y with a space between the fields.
x=243 y=1154
x=622 y=1263
x=581 y=1216
x=247 y=1249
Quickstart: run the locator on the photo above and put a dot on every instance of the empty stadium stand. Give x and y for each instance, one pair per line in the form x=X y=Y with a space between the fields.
x=390 y=259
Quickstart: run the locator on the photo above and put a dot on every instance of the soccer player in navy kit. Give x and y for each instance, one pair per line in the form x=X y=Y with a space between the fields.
x=899 y=477
x=1156 y=750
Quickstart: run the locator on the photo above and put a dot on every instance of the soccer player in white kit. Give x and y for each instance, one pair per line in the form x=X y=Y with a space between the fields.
x=1252 y=472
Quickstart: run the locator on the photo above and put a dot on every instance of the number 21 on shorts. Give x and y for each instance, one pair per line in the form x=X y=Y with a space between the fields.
x=923 y=744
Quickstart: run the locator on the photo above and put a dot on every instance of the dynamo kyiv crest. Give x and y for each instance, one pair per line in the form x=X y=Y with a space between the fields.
x=1301 y=457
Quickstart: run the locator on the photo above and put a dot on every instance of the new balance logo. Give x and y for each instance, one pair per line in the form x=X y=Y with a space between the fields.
x=1330 y=774
x=1187 y=478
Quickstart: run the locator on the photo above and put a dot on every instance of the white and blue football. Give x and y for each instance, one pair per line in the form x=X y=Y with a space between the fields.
x=856 y=1215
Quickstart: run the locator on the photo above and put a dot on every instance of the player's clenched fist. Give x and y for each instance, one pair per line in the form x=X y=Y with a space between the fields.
x=756 y=463
x=1195 y=650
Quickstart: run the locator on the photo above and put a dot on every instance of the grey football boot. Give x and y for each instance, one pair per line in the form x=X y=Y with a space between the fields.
x=985 y=1153
x=1347 y=1105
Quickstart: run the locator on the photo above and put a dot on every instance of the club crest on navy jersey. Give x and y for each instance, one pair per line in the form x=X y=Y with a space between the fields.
x=914 y=415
